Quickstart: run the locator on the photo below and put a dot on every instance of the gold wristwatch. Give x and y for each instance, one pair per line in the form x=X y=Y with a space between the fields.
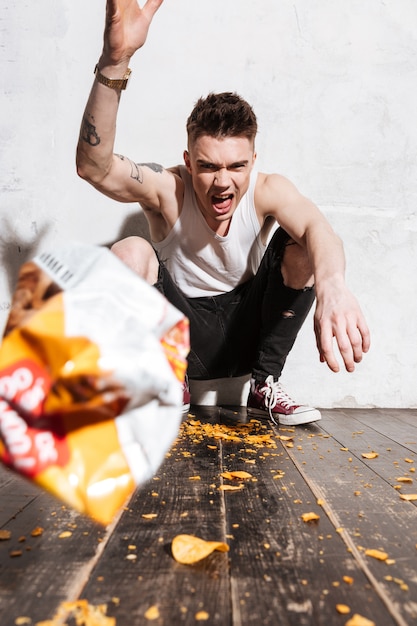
x=113 y=83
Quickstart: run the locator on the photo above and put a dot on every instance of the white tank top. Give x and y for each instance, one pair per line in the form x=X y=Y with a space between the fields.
x=203 y=263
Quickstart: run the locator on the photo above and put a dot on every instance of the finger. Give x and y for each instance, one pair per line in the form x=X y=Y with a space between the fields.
x=365 y=334
x=356 y=343
x=151 y=7
x=324 y=340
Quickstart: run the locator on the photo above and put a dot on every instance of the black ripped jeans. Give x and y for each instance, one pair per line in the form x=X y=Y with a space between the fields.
x=250 y=329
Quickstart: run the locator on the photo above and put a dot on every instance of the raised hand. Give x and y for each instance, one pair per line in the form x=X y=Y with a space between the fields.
x=126 y=28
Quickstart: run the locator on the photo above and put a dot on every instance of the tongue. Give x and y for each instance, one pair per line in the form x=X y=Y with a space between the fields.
x=222 y=203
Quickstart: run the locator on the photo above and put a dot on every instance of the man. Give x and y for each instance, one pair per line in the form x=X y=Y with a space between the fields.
x=210 y=221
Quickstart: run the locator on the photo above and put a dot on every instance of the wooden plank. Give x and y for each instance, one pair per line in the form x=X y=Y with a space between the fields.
x=280 y=570
x=375 y=518
x=137 y=567
x=48 y=569
x=394 y=459
x=283 y=570
x=15 y=495
x=398 y=425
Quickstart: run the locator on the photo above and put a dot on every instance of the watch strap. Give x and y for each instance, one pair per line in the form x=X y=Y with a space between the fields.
x=113 y=83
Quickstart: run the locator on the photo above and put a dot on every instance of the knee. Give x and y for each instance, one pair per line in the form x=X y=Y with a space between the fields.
x=296 y=268
x=138 y=254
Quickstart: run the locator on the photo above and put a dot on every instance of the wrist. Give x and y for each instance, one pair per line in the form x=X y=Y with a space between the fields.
x=114 y=77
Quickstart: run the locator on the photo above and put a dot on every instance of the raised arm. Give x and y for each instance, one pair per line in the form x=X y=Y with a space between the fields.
x=119 y=177
x=338 y=315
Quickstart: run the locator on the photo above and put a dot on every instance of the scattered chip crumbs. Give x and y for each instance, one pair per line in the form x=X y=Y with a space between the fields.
x=370 y=455
x=231 y=487
x=359 y=620
x=194 y=478
x=285 y=438
x=65 y=534
x=320 y=502
x=188 y=549
x=149 y=515
x=250 y=434
x=409 y=460
x=5 y=534
x=202 y=616
x=310 y=517
x=404 y=479
x=21 y=621
x=377 y=554
x=37 y=532
x=348 y=580
x=84 y=614
x=409 y=497
x=152 y=613
x=15 y=553
x=343 y=609
x=239 y=474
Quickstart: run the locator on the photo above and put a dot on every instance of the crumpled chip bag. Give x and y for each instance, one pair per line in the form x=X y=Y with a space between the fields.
x=91 y=366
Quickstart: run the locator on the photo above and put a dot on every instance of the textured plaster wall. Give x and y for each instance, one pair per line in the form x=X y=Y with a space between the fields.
x=334 y=85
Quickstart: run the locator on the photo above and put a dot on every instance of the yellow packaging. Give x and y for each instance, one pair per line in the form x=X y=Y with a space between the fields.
x=91 y=366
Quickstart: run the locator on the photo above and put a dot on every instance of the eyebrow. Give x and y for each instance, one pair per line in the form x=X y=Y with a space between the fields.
x=204 y=162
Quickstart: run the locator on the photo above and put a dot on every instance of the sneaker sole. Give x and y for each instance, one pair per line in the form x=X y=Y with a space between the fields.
x=295 y=419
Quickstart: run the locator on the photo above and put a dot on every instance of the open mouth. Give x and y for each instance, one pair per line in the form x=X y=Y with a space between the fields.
x=222 y=203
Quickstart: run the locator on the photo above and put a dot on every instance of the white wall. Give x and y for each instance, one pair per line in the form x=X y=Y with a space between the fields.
x=334 y=85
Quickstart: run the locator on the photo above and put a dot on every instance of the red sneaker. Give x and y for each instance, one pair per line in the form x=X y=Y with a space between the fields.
x=186 y=397
x=270 y=398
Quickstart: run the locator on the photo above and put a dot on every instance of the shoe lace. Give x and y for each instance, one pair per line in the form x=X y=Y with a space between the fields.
x=274 y=393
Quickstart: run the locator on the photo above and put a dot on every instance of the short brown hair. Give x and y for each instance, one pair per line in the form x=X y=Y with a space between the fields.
x=222 y=115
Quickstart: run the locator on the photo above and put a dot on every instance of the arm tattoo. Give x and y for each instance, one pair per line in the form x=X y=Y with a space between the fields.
x=136 y=169
x=153 y=166
x=89 y=133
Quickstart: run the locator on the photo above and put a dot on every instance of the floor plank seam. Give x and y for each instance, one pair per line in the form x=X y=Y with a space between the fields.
x=348 y=540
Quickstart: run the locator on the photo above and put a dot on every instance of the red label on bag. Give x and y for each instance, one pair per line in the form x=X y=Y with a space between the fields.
x=23 y=389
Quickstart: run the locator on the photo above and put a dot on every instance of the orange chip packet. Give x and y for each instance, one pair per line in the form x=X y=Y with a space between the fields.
x=91 y=366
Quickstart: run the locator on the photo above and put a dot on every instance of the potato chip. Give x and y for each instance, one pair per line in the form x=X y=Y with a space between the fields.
x=343 y=609
x=188 y=549
x=310 y=517
x=239 y=474
x=359 y=620
x=5 y=534
x=377 y=554
x=404 y=479
x=409 y=497
x=202 y=616
x=370 y=455
x=230 y=487
x=65 y=534
x=152 y=613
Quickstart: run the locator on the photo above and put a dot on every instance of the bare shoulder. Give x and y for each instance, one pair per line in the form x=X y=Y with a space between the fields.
x=273 y=192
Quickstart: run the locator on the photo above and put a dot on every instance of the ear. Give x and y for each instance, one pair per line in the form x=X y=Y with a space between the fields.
x=187 y=160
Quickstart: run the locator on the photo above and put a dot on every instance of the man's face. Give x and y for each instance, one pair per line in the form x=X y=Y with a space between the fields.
x=220 y=171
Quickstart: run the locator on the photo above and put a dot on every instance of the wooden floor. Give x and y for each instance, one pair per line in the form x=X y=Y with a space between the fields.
x=280 y=569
